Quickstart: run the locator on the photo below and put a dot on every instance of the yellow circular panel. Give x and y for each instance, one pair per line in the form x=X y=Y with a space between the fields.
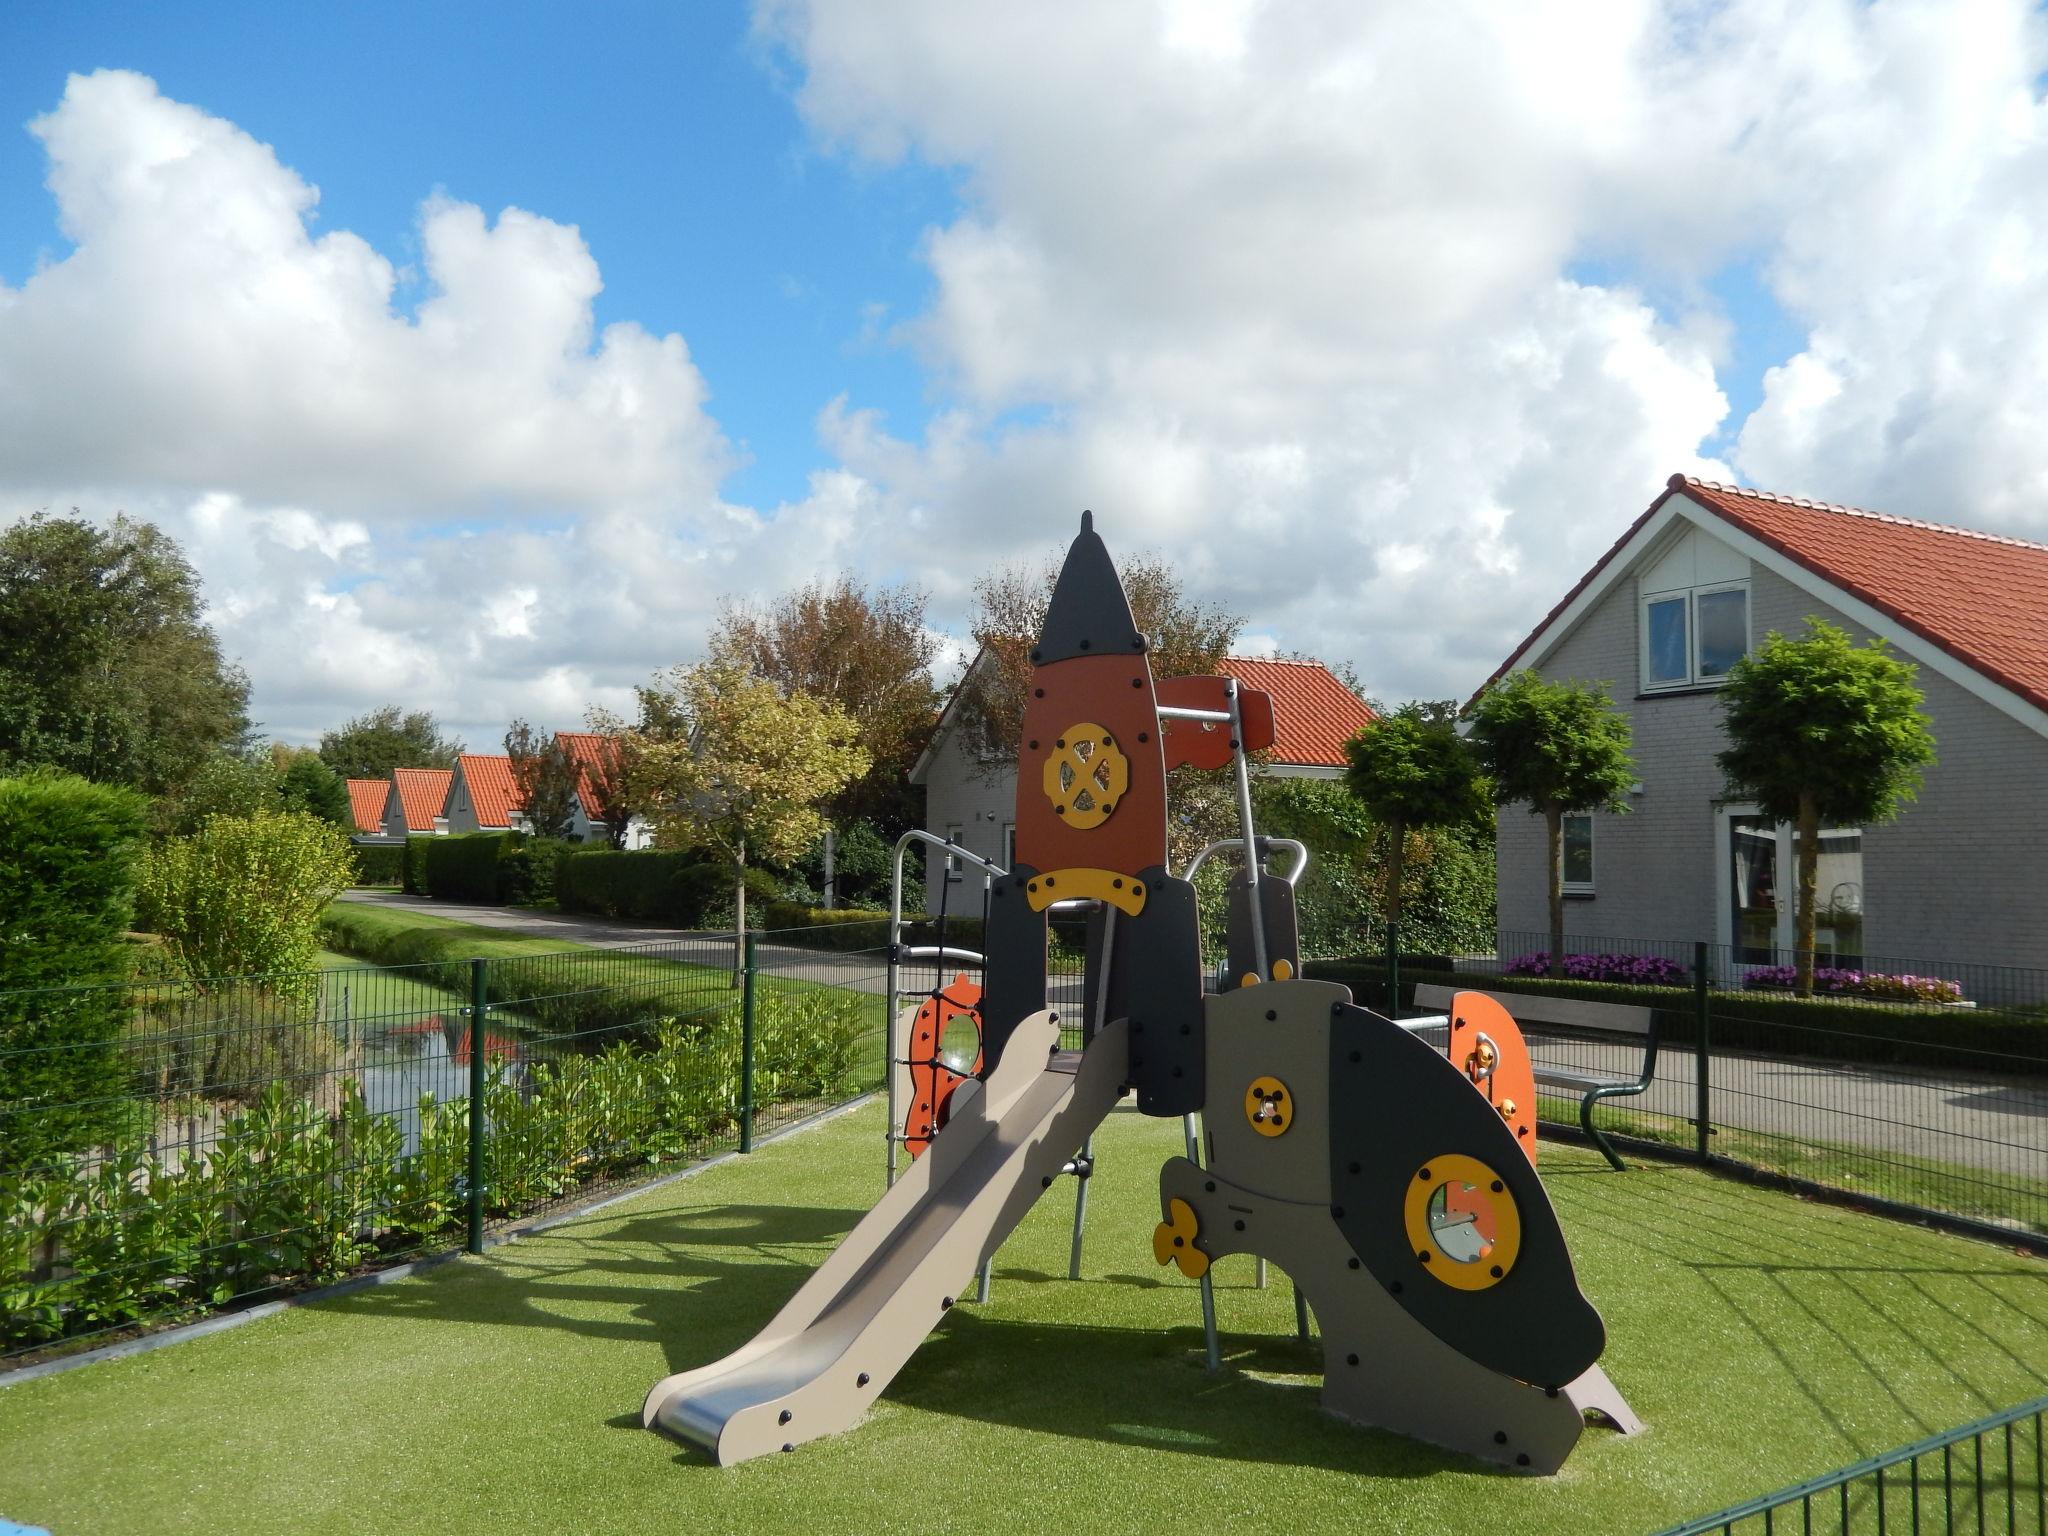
x=1463 y=1224
x=1085 y=776
x=1269 y=1106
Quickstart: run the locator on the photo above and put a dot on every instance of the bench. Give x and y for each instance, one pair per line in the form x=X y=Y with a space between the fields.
x=1616 y=1021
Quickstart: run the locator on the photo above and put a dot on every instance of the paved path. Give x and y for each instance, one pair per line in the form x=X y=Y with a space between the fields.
x=1998 y=1124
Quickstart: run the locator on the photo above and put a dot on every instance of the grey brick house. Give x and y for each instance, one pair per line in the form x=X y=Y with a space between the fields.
x=974 y=804
x=1705 y=572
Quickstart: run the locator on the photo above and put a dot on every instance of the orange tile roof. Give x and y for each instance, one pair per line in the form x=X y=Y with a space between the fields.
x=421 y=792
x=366 y=799
x=1981 y=597
x=592 y=753
x=493 y=792
x=1313 y=713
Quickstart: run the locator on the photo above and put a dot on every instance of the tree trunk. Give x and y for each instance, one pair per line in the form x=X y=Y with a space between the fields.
x=1553 y=831
x=1397 y=868
x=1809 y=873
x=739 y=913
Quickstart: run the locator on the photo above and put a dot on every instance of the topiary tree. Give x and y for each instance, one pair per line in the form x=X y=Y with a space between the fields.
x=1563 y=748
x=68 y=856
x=740 y=767
x=1413 y=771
x=1823 y=731
x=242 y=895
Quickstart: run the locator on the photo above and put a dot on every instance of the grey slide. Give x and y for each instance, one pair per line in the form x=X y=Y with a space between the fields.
x=842 y=1338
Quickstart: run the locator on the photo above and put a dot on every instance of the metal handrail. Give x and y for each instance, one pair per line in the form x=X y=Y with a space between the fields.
x=1266 y=845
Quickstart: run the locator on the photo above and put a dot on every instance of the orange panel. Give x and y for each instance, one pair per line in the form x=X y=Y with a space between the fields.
x=1124 y=827
x=932 y=1082
x=1201 y=744
x=1487 y=1046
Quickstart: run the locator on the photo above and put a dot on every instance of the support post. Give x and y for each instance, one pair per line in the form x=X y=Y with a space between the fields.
x=1394 y=968
x=1214 y=1351
x=889 y=989
x=1702 y=1021
x=1097 y=1016
x=747 y=1045
x=479 y=1037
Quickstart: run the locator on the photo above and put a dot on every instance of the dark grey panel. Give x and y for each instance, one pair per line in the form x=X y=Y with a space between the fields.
x=1013 y=983
x=1409 y=1105
x=1088 y=615
x=1157 y=959
x=1283 y=929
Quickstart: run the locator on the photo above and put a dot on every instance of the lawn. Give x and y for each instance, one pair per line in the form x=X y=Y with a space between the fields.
x=1762 y=1338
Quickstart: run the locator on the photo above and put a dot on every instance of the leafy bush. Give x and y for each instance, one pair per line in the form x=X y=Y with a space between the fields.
x=241 y=896
x=1850 y=983
x=68 y=860
x=492 y=868
x=1644 y=970
x=804 y=1044
x=836 y=928
x=379 y=863
x=413 y=864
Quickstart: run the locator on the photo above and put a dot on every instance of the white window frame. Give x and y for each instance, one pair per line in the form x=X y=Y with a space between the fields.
x=1579 y=887
x=1009 y=859
x=1691 y=596
x=953 y=831
x=1787 y=935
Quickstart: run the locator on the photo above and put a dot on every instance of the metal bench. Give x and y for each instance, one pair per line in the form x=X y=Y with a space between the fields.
x=1619 y=1020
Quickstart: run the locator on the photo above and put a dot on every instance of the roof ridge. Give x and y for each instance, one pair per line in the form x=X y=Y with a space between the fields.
x=1282 y=661
x=1878 y=517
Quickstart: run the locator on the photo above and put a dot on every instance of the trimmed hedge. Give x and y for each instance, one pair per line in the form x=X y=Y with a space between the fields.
x=380 y=863
x=413 y=864
x=492 y=868
x=852 y=928
x=70 y=853
x=1749 y=1020
x=684 y=890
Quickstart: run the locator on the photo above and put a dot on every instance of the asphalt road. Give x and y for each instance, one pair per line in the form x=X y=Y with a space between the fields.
x=1994 y=1123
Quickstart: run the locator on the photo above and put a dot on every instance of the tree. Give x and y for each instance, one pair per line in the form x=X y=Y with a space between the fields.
x=608 y=781
x=1823 y=732
x=1561 y=748
x=306 y=784
x=228 y=785
x=547 y=777
x=865 y=650
x=370 y=746
x=107 y=668
x=1412 y=770
x=732 y=763
x=1188 y=638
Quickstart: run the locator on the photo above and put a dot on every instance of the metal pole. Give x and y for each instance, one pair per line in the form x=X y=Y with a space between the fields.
x=1300 y=1314
x=1394 y=968
x=479 y=1011
x=747 y=1047
x=1252 y=862
x=889 y=1055
x=1209 y=1344
x=981 y=1281
x=828 y=869
x=1085 y=1168
x=1702 y=1017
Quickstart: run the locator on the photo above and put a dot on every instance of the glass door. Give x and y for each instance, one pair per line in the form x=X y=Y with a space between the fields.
x=1753 y=887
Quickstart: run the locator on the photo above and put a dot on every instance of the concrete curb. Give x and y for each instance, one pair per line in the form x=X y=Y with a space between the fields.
x=199 y=1330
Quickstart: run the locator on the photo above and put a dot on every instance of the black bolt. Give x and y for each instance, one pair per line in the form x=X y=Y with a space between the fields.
x=1061 y=744
x=1034 y=746
x=1278 y=1123
x=1522 y=1460
x=1144 y=736
x=1240 y=1226
x=1354 y=1263
x=1038 y=693
x=1522 y=1130
x=1278 y=1094
x=1500 y=1437
x=946 y=1305
x=861 y=1380
x=1423 y=1176
x=1116 y=885
x=784 y=1417
x=1422 y=1254
x=1210 y=1185
x=1496 y=1271
x=787 y=1446
x=1138 y=643
x=1052 y=1018
x=1179 y=1242
x=1046 y=1182
x=1137 y=890
x=1083 y=645
x=1233 y=743
x=1351 y=1359
x=1058 y=810
x=1498 y=1186
x=1550 y=1391
x=1137 y=682
x=1271 y=1015
x=1357 y=1168
x=1394 y=1287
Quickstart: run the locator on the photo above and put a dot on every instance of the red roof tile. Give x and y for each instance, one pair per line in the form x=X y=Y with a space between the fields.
x=366 y=799
x=493 y=792
x=1980 y=597
x=593 y=754
x=1313 y=713
x=421 y=792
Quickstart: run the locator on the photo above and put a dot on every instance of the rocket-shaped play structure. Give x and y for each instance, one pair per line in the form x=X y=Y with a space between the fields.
x=1389 y=1168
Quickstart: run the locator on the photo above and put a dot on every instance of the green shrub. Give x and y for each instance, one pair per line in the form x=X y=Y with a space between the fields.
x=646 y=886
x=242 y=896
x=492 y=869
x=379 y=863
x=413 y=864
x=68 y=865
x=804 y=1044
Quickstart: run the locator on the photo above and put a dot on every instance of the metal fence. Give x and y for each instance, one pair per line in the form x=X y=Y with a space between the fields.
x=1985 y=1477
x=176 y=1147
x=1936 y=1109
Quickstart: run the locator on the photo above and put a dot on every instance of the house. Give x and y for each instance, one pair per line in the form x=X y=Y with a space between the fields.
x=366 y=802
x=1700 y=577
x=594 y=756
x=973 y=803
x=483 y=796
x=413 y=805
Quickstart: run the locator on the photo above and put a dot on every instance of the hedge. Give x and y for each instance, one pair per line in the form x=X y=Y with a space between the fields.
x=413 y=864
x=380 y=863
x=69 y=859
x=684 y=890
x=1765 y=1021
x=491 y=868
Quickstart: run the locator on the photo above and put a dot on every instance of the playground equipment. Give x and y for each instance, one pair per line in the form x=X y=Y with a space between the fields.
x=1393 y=1180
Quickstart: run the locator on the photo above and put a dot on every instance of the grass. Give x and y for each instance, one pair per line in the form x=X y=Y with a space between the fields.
x=1762 y=1338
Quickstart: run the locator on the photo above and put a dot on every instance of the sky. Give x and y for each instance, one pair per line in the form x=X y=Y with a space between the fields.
x=475 y=354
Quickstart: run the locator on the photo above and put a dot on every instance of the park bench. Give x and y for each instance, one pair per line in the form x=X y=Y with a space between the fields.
x=1605 y=1022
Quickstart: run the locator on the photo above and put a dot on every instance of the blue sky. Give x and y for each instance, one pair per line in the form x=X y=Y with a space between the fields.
x=1380 y=322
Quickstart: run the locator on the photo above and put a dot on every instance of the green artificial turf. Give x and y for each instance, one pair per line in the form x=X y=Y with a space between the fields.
x=1762 y=1338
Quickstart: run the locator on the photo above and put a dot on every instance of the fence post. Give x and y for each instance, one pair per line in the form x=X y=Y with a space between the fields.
x=1394 y=968
x=479 y=1038
x=747 y=1047
x=1702 y=1016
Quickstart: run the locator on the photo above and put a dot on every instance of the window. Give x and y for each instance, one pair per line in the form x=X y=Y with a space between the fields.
x=1576 y=854
x=1695 y=613
x=1009 y=845
x=1761 y=860
x=952 y=858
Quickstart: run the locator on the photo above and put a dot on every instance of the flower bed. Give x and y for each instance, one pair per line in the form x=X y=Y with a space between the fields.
x=1847 y=983
x=1643 y=970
